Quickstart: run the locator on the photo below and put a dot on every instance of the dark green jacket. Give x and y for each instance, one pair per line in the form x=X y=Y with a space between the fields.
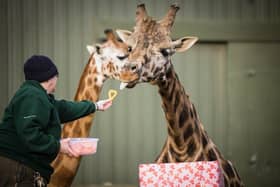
x=30 y=129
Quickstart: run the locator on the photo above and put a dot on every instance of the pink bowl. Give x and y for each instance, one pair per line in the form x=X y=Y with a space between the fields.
x=84 y=146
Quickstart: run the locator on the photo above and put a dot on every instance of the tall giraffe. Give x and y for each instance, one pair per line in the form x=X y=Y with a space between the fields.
x=100 y=67
x=150 y=61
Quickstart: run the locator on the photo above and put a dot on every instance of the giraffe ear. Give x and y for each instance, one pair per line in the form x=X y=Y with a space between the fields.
x=90 y=49
x=124 y=35
x=184 y=43
x=93 y=49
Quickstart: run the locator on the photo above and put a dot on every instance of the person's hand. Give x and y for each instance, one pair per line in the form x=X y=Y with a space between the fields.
x=104 y=104
x=66 y=148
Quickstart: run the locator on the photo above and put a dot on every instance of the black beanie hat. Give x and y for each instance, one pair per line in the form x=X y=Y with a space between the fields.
x=39 y=68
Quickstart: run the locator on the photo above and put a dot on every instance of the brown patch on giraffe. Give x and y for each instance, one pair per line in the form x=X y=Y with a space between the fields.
x=128 y=76
x=228 y=169
x=188 y=132
x=165 y=159
x=201 y=157
x=145 y=74
x=77 y=128
x=67 y=173
x=226 y=182
x=94 y=71
x=111 y=67
x=178 y=139
x=177 y=101
x=171 y=92
x=162 y=92
x=157 y=70
x=89 y=81
x=184 y=115
x=87 y=127
x=211 y=155
x=191 y=147
x=87 y=95
x=66 y=130
x=97 y=88
x=204 y=140
x=65 y=134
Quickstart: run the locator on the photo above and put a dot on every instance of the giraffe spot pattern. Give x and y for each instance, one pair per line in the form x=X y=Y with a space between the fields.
x=177 y=100
x=165 y=159
x=211 y=155
x=201 y=157
x=89 y=81
x=191 y=147
x=77 y=129
x=184 y=116
x=228 y=170
x=178 y=140
x=188 y=132
x=204 y=141
x=87 y=95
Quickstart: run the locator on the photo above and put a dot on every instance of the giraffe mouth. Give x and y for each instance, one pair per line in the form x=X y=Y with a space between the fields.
x=127 y=85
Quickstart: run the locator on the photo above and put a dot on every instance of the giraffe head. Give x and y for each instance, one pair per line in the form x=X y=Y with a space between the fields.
x=108 y=57
x=151 y=47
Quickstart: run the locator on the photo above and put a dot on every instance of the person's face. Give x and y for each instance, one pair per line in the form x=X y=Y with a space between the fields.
x=52 y=84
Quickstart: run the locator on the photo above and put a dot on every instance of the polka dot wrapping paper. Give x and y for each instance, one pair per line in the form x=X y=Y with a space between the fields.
x=184 y=174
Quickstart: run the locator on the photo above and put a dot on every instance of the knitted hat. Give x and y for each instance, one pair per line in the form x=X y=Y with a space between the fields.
x=39 y=68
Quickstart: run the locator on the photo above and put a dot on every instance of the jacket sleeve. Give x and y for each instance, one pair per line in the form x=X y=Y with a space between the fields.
x=31 y=117
x=69 y=111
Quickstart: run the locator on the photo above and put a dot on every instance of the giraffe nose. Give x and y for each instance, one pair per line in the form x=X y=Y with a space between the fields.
x=133 y=67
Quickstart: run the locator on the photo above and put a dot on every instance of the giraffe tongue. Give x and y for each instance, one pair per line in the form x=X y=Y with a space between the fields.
x=123 y=85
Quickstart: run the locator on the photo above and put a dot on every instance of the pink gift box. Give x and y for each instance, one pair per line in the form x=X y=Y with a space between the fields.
x=183 y=174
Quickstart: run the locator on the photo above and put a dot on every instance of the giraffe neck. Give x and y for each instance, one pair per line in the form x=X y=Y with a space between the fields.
x=90 y=85
x=89 y=88
x=187 y=139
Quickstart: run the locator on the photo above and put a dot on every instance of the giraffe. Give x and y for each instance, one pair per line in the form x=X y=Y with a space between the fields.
x=99 y=68
x=150 y=60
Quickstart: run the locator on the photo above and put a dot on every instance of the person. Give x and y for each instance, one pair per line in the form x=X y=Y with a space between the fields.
x=30 y=129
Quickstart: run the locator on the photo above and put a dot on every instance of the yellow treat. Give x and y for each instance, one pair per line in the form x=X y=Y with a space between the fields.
x=112 y=94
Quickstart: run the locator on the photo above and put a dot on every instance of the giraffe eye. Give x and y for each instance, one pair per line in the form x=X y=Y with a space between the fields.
x=165 y=52
x=122 y=57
